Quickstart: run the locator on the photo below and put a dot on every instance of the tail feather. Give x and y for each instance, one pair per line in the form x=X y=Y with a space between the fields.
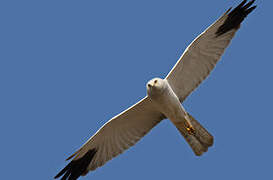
x=201 y=133
x=200 y=140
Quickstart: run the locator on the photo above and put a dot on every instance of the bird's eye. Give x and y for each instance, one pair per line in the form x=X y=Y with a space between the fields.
x=155 y=81
x=149 y=85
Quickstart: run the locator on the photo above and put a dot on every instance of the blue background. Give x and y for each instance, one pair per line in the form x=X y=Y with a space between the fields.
x=66 y=67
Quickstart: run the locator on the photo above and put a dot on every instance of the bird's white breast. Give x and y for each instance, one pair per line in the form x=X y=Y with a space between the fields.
x=166 y=101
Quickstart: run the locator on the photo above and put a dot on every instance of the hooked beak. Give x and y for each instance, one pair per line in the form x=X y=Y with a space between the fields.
x=153 y=84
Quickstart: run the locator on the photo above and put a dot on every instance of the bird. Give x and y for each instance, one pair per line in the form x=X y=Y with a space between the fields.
x=163 y=100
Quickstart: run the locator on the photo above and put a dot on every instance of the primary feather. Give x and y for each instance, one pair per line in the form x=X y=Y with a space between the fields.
x=201 y=56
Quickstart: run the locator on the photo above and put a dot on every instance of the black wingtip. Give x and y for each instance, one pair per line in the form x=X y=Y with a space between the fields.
x=78 y=167
x=235 y=17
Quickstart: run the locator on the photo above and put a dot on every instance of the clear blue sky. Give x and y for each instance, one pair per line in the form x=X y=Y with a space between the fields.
x=66 y=67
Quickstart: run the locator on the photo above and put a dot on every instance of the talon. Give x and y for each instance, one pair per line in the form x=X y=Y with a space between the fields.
x=190 y=130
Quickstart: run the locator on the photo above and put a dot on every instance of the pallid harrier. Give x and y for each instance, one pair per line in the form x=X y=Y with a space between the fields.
x=163 y=100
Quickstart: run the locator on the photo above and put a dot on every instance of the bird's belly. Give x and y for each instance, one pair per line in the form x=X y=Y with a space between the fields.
x=169 y=104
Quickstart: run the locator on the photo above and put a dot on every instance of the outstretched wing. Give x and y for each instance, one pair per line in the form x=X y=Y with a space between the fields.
x=115 y=136
x=205 y=51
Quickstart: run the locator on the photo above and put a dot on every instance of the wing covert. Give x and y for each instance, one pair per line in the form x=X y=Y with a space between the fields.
x=201 y=56
x=114 y=137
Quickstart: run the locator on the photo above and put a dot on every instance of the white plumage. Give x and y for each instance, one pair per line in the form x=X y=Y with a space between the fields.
x=163 y=100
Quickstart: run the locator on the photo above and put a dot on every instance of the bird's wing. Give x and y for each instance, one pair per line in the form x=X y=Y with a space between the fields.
x=115 y=136
x=204 y=52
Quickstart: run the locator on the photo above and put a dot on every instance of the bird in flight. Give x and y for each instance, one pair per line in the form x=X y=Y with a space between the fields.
x=163 y=101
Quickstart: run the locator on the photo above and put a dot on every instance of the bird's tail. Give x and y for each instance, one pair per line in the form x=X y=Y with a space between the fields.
x=198 y=137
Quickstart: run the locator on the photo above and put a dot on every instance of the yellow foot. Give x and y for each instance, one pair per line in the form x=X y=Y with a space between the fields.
x=190 y=130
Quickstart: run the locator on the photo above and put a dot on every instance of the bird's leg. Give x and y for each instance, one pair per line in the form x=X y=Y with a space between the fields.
x=187 y=122
x=188 y=125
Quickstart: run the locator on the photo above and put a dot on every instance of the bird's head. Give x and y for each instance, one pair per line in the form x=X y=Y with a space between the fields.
x=155 y=86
